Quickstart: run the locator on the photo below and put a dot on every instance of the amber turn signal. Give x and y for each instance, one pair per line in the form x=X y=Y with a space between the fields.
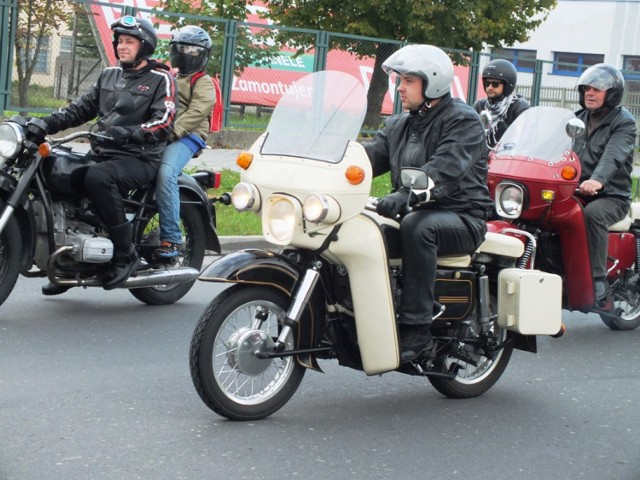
x=355 y=175
x=244 y=160
x=44 y=149
x=569 y=172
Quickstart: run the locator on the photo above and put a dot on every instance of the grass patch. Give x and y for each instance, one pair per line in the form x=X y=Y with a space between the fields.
x=230 y=222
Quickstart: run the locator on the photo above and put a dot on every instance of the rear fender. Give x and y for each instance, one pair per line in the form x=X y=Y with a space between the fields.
x=192 y=192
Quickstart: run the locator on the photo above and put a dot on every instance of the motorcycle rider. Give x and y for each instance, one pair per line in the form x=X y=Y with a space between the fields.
x=606 y=156
x=443 y=136
x=132 y=159
x=189 y=48
x=499 y=79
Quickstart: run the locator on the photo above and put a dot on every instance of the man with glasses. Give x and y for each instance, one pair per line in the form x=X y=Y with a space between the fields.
x=131 y=159
x=606 y=157
x=503 y=105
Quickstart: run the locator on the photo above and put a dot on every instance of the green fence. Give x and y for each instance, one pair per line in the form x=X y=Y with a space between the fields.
x=254 y=63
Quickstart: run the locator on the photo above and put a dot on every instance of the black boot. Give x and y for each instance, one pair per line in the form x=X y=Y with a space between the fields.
x=414 y=340
x=54 y=289
x=125 y=258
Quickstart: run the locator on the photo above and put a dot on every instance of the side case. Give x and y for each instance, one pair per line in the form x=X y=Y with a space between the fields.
x=529 y=301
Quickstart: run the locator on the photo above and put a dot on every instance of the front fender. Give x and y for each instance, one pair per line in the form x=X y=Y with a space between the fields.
x=254 y=266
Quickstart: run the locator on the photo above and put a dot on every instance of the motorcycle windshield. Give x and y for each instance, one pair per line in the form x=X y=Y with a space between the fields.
x=316 y=117
x=539 y=134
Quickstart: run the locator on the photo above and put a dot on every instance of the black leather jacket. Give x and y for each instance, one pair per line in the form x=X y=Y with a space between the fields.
x=445 y=141
x=606 y=154
x=153 y=90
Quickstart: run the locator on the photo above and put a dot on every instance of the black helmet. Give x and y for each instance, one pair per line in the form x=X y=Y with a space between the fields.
x=139 y=28
x=603 y=77
x=504 y=70
x=189 y=49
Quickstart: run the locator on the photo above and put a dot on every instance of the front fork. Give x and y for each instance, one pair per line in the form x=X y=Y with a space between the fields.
x=300 y=299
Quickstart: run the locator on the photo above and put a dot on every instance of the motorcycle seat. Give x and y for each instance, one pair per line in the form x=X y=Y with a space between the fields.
x=494 y=244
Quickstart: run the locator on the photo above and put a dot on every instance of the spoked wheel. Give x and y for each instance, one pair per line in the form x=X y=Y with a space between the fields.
x=192 y=255
x=626 y=308
x=226 y=371
x=476 y=377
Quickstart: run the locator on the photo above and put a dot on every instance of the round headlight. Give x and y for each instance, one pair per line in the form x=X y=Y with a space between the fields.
x=280 y=218
x=245 y=196
x=11 y=139
x=321 y=208
x=510 y=199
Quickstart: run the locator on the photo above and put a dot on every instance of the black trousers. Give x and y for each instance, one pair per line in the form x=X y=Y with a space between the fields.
x=105 y=184
x=426 y=234
x=599 y=214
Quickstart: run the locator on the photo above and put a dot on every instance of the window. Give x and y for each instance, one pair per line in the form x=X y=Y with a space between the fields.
x=631 y=67
x=573 y=64
x=42 y=62
x=65 y=44
x=523 y=60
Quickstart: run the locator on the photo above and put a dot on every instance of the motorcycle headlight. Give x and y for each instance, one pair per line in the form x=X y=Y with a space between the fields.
x=11 y=140
x=321 y=208
x=281 y=216
x=509 y=200
x=245 y=196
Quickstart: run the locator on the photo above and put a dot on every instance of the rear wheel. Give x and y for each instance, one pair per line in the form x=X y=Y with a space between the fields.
x=626 y=308
x=226 y=372
x=193 y=231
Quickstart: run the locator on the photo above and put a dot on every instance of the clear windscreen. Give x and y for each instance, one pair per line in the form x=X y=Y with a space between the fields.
x=317 y=117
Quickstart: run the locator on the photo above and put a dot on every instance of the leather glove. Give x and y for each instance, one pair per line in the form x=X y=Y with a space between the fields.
x=393 y=204
x=120 y=135
x=35 y=130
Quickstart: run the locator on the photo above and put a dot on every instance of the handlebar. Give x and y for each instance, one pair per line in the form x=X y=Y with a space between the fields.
x=76 y=135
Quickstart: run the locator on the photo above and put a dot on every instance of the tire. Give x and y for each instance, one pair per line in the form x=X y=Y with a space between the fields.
x=192 y=255
x=626 y=309
x=10 y=257
x=230 y=379
x=471 y=381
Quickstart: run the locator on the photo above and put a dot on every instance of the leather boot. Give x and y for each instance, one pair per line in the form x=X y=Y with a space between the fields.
x=125 y=257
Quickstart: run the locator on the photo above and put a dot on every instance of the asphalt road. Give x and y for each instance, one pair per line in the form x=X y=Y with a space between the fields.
x=96 y=385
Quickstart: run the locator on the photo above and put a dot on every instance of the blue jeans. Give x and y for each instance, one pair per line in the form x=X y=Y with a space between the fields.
x=174 y=159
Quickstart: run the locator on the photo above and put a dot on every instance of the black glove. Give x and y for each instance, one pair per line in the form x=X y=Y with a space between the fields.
x=120 y=135
x=36 y=130
x=139 y=137
x=393 y=204
x=53 y=125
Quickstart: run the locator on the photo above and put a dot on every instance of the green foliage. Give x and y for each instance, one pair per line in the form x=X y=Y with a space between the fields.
x=230 y=222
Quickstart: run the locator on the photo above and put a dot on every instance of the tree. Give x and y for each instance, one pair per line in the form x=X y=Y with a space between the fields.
x=37 y=20
x=247 y=38
x=450 y=24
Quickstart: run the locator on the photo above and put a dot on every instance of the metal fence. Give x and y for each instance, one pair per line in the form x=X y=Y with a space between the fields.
x=254 y=62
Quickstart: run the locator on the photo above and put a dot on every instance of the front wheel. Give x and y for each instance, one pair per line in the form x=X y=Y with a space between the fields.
x=226 y=372
x=473 y=379
x=192 y=255
x=10 y=256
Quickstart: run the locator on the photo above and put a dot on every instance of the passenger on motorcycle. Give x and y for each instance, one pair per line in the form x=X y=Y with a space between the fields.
x=499 y=79
x=443 y=136
x=190 y=48
x=132 y=159
x=606 y=156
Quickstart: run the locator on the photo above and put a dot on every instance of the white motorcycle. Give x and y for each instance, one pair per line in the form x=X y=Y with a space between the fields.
x=332 y=289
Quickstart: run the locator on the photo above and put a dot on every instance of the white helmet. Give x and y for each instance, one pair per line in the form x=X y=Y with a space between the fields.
x=429 y=63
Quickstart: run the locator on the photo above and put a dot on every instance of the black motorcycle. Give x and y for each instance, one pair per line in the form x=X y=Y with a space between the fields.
x=47 y=229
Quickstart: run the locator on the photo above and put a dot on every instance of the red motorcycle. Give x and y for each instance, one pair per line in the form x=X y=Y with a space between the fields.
x=533 y=176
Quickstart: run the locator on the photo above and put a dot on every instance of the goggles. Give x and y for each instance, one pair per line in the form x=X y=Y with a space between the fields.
x=127 y=22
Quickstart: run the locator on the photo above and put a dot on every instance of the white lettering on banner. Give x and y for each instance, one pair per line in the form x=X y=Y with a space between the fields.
x=287 y=61
x=270 y=88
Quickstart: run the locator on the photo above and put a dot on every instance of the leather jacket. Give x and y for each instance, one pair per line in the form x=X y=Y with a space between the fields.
x=153 y=90
x=606 y=153
x=446 y=142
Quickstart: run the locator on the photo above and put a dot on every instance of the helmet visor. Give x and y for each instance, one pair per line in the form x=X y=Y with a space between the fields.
x=599 y=78
x=188 y=58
